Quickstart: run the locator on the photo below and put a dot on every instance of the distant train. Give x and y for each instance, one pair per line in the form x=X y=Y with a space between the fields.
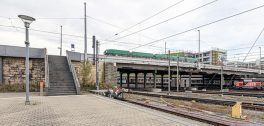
x=115 y=52
x=250 y=83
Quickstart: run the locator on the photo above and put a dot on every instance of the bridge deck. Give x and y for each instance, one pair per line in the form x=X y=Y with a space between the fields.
x=163 y=63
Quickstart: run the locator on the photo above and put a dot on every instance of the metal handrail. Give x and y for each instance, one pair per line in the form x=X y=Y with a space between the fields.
x=72 y=69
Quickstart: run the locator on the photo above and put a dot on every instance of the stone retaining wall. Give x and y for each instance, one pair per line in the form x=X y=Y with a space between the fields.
x=111 y=73
x=13 y=70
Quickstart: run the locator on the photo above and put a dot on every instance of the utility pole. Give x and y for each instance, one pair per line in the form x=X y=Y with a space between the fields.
x=199 y=49
x=165 y=47
x=222 y=78
x=177 y=74
x=259 y=60
x=61 y=42
x=169 y=79
x=97 y=63
x=85 y=34
x=94 y=48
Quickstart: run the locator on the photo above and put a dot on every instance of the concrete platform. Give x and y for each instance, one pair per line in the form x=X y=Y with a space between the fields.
x=89 y=110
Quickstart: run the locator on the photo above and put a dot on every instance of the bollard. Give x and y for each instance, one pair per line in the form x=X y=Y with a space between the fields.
x=41 y=85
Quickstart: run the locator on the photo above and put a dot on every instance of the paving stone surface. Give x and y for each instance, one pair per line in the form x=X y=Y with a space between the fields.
x=82 y=110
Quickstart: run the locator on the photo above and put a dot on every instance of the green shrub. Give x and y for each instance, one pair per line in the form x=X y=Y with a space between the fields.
x=85 y=81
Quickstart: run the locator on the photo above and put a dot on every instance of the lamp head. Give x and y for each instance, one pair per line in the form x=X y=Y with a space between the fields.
x=26 y=19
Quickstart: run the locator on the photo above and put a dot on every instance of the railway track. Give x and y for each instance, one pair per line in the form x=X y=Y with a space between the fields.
x=245 y=105
x=248 y=94
x=209 y=119
x=212 y=119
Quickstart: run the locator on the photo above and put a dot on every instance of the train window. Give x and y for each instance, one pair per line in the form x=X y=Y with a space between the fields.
x=248 y=80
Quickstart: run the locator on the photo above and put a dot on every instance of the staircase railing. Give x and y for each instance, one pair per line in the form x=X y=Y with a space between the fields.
x=72 y=69
x=46 y=60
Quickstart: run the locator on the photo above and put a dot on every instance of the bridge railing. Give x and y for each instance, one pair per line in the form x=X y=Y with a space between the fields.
x=72 y=69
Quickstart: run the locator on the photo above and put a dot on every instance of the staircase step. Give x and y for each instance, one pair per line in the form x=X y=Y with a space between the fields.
x=59 y=68
x=63 y=87
x=64 y=93
x=61 y=80
x=67 y=75
x=61 y=91
x=59 y=94
x=60 y=77
x=62 y=83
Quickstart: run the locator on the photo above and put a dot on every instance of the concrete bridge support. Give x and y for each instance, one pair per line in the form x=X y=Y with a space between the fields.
x=128 y=77
x=121 y=79
x=145 y=75
x=154 y=78
x=203 y=80
x=162 y=80
x=1 y=70
x=136 y=80
x=190 y=79
x=170 y=79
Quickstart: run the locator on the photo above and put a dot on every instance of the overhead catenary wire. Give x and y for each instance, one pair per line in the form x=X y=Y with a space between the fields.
x=104 y=22
x=243 y=48
x=182 y=14
x=47 y=18
x=124 y=43
x=65 y=18
x=254 y=43
x=148 y=18
x=113 y=25
x=250 y=55
x=204 y=25
x=37 y=30
x=117 y=41
x=244 y=53
x=60 y=18
x=81 y=37
x=129 y=43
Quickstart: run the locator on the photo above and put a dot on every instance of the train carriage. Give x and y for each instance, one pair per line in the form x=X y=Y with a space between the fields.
x=249 y=83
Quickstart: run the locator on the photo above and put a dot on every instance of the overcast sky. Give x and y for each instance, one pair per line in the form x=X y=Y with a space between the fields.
x=108 y=17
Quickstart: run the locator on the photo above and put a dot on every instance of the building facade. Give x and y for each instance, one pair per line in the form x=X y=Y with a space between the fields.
x=213 y=57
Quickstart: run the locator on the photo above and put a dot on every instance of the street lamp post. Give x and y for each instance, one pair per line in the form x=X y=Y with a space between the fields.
x=27 y=20
x=169 y=74
x=178 y=80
